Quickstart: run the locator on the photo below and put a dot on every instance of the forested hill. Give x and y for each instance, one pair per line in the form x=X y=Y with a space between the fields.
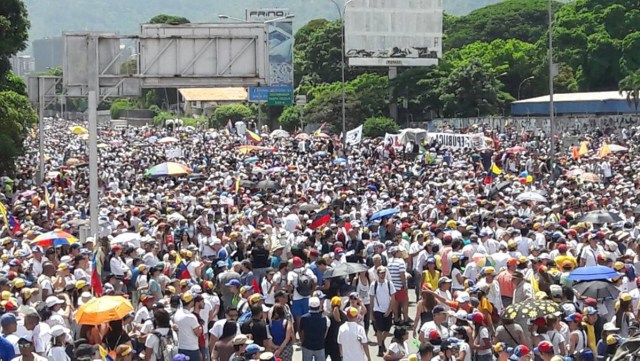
x=50 y=18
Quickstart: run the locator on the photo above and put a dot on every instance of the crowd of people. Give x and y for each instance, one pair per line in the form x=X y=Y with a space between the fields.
x=271 y=246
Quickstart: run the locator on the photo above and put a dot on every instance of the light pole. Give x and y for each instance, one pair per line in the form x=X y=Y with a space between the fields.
x=341 y=12
x=552 y=126
x=522 y=82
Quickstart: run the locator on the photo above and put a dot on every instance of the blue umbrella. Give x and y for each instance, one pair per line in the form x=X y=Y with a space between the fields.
x=384 y=213
x=339 y=161
x=320 y=154
x=592 y=273
x=251 y=160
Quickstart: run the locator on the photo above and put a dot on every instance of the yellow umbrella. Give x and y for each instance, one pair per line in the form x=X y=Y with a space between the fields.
x=102 y=310
x=589 y=177
x=102 y=145
x=76 y=129
x=73 y=161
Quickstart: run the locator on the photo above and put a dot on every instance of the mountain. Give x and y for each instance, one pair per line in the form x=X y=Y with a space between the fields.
x=51 y=18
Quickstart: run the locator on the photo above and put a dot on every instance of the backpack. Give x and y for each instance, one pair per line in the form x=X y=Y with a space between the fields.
x=305 y=285
x=167 y=347
x=245 y=317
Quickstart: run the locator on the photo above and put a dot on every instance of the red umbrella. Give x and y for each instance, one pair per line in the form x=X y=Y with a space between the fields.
x=517 y=149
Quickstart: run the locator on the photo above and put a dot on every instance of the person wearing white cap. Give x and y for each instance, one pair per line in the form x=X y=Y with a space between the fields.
x=58 y=342
x=54 y=304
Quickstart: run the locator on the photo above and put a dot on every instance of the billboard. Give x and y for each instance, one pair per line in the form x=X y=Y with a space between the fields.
x=393 y=32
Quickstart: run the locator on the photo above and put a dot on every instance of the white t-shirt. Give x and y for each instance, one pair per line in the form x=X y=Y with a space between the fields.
x=292 y=279
x=187 y=322
x=13 y=340
x=484 y=333
x=399 y=350
x=153 y=342
x=350 y=334
x=430 y=326
x=58 y=354
x=142 y=315
x=381 y=292
x=218 y=326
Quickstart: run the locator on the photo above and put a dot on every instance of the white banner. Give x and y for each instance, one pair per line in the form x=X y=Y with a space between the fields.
x=456 y=141
x=393 y=140
x=354 y=136
x=173 y=153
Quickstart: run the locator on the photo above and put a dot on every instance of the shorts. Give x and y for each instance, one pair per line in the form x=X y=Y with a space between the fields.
x=402 y=295
x=381 y=322
x=300 y=307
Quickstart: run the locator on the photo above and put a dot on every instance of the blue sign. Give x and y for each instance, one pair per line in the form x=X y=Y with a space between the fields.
x=261 y=94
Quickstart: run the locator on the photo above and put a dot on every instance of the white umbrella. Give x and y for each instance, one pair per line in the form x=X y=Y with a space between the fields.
x=617 y=148
x=129 y=237
x=531 y=197
x=279 y=133
x=168 y=140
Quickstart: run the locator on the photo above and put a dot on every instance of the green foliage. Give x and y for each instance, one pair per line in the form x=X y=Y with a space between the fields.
x=630 y=86
x=291 y=117
x=16 y=116
x=161 y=117
x=378 y=127
x=524 y=20
x=233 y=112
x=169 y=20
x=14 y=83
x=14 y=27
x=472 y=90
x=118 y=106
x=194 y=122
x=599 y=40
x=57 y=71
x=129 y=67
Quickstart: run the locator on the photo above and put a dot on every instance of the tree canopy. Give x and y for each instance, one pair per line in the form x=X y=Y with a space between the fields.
x=14 y=27
x=169 y=20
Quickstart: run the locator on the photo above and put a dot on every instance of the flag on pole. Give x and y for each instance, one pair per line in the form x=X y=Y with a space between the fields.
x=319 y=130
x=14 y=225
x=47 y=200
x=354 y=136
x=3 y=212
x=604 y=150
x=253 y=137
x=321 y=218
x=584 y=148
x=96 y=283
x=237 y=185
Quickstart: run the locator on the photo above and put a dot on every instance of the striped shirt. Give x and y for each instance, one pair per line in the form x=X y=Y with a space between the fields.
x=397 y=268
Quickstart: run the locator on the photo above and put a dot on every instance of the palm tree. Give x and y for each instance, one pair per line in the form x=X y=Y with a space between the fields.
x=630 y=86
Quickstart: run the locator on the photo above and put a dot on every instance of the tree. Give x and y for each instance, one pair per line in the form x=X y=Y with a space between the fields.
x=14 y=83
x=472 y=90
x=232 y=112
x=378 y=127
x=169 y=20
x=119 y=106
x=630 y=86
x=524 y=20
x=326 y=106
x=16 y=116
x=291 y=117
x=14 y=27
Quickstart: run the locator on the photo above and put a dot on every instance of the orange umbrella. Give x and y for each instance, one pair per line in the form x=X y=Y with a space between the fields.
x=102 y=310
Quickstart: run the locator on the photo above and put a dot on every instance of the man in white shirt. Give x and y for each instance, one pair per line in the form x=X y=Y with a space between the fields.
x=188 y=328
x=439 y=317
x=300 y=305
x=382 y=297
x=351 y=334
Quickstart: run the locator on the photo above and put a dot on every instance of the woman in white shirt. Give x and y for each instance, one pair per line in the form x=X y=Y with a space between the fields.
x=398 y=349
x=58 y=343
x=118 y=267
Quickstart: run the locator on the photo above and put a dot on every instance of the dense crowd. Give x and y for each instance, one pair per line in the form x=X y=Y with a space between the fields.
x=260 y=247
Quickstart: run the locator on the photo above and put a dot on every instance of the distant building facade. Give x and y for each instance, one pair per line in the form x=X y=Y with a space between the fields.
x=22 y=65
x=48 y=53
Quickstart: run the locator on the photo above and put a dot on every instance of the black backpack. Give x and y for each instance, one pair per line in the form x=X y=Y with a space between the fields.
x=305 y=285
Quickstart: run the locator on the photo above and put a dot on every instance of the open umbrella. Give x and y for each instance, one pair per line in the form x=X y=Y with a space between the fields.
x=531 y=309
x=601 y=217
x=597 y=289
x=72 y=161
x=279 y=134
x=384 y=213
x=617 y=148
x=128 y=237
x=251 y=160
x=267 y=184
x=168 y=169
x=102 y=310
x=589 y=177
x=54 y=239
x=339 y=161
x=76 y=129
x=166 y=140
x=302 y=136
x=516 y=149
x=500 y=187
x=574 y=172
x=345 y=269
x=309 y=207
x=247 y=184
x=592 y=273
x=531 y=197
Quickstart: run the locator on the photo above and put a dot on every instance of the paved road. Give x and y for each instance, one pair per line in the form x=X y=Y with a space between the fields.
x=297 y=355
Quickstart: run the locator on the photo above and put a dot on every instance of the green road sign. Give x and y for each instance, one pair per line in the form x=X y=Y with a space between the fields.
x=279 y=97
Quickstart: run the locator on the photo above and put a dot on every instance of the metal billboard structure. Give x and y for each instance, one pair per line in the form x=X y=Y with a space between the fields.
x=184 y=56
x=393 y=33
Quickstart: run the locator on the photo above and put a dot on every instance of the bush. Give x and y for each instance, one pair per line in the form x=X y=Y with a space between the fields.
x=377 y=127
x=193 y=122
x=118 y=106
x=233 y=112
x=161 y=117
x=291 y=117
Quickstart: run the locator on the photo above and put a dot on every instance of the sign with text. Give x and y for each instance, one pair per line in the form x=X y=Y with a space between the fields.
x=457 y=141
x=261 y=94
x=280 y=98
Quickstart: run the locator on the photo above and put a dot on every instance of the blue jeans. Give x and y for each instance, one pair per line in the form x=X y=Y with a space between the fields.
x=313 y=355
x=484 y=357
x=193 y=354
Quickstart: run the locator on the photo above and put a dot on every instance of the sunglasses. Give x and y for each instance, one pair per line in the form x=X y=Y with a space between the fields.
x=381 y=273
x=24 y=345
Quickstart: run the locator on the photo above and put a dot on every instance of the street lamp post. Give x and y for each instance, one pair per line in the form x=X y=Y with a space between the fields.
x=522 y=82
x=341 y=12
x=552 y=125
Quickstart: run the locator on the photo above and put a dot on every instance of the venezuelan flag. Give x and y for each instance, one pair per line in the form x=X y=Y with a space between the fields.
x=96 y=283
x=321 y=218
x=251 y=136
x=3 y=212
x=13 y=223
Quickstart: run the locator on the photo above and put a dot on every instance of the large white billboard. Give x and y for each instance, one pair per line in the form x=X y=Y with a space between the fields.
x=393 y=32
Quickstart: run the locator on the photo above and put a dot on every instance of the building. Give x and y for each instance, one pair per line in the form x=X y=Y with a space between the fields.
x=22 y=65
x=593 y=103
x=48 y=53
x=202 y=101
